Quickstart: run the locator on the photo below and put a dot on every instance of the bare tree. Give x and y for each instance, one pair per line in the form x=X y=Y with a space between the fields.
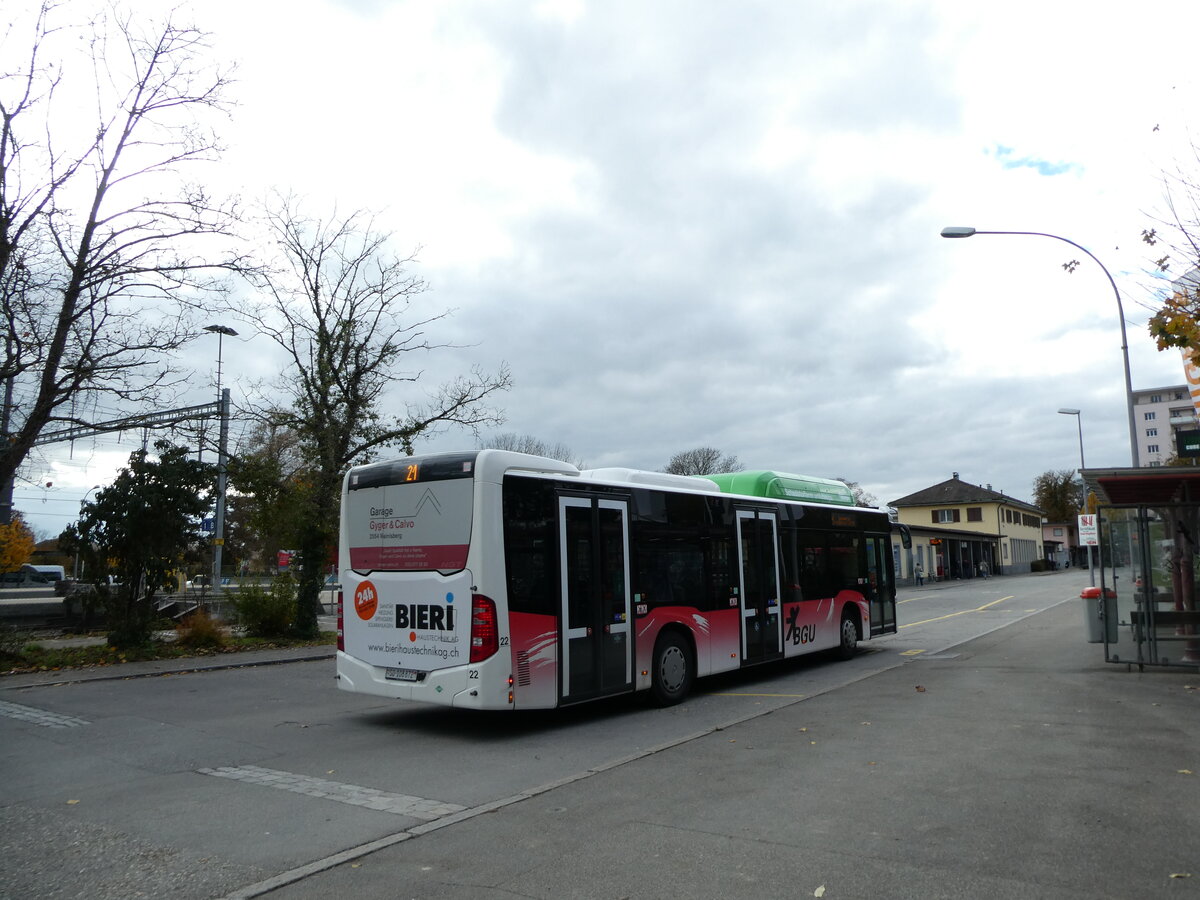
x=102 y=243
x=345 y=311
x=861 y=497
x=701 y=461
x=527 y=443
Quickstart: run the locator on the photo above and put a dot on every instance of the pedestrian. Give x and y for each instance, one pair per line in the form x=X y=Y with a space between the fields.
x=920 y=573
x=983 y=568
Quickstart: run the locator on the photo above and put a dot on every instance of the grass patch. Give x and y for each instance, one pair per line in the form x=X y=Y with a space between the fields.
x=45 y=657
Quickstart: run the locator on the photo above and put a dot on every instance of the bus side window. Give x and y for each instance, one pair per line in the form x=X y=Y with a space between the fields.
x=814 y=581
x=793 y=590
x=843 y=562
x=671 y=573
x=529 y=542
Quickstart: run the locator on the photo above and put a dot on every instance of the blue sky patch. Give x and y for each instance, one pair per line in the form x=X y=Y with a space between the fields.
x=1042 y=166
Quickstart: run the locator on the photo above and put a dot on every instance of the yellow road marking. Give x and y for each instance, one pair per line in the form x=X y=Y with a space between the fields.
x=911 y=652
x=738 y=694
x=961 y=612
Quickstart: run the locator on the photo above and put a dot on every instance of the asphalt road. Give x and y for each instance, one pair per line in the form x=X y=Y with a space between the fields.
x=239 y=782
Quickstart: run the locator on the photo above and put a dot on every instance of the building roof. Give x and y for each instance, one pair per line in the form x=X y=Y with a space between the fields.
x=1157 y=486
x=955 y=491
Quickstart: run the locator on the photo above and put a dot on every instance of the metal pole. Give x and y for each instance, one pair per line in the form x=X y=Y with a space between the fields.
x=961 y=232
x=222 y=460
x=1082 y=466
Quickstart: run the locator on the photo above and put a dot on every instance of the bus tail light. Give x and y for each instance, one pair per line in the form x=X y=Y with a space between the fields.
x=485 y=631
x=341 y=630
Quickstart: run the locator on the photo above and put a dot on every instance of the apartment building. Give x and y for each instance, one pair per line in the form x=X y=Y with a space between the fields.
x=1158 y=413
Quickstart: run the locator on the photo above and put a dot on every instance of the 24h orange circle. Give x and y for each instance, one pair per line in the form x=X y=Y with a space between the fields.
x=366 y=600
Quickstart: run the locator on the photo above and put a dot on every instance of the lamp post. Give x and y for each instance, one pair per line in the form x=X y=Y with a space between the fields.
x=1066 y=411
x=222 y=460
x=961 y=231
x=82 y=504
x=220 y=331
x=1078 y=421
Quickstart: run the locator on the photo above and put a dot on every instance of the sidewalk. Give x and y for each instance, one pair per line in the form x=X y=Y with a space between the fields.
x=1018 y=765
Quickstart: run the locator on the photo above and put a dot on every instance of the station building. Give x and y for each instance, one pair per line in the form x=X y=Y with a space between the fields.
x=964 y=530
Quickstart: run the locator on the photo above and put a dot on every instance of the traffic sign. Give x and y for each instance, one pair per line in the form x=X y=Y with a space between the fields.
x=1089 y=531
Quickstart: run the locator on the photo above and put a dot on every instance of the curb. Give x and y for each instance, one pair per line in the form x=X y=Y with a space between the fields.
x=155 y=669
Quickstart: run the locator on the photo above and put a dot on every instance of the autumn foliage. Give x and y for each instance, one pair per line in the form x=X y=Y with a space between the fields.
x=16 y=544
x=1177 y=323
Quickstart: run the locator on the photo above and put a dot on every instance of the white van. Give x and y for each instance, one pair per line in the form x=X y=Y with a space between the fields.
x=50 y=573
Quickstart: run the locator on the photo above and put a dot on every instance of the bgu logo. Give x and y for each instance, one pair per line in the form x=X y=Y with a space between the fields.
x=805 y=634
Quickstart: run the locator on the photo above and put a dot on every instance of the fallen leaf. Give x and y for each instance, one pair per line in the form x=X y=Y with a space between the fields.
x=72 y=802
x=864 y=723
x=819 y=892
x=921 y=688
x=1184 y=771
x=1181 y=874
x=804 y=729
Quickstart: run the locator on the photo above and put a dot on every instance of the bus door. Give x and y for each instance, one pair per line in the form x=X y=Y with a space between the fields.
x=758 y=552
x=596 y=653
x=880 y=593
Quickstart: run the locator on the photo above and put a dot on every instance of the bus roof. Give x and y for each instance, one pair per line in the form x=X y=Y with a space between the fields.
x=783 y=486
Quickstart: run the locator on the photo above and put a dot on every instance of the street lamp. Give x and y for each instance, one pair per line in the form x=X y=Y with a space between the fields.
x=82 y=504
x=220 y=331
x=1079 y=422
x=961 y=231
x=222 y=460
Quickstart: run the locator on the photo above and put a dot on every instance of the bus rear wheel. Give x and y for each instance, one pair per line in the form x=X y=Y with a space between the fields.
x=673 y=668
x=848 y=641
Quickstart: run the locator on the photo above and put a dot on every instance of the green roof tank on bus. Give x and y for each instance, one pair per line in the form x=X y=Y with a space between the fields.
x=782 y=486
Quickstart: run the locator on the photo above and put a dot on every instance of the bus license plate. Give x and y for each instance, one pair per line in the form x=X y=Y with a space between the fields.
x=401 y=674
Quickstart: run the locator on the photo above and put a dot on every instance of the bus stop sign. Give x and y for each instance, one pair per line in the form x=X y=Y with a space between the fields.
x=1089 y=533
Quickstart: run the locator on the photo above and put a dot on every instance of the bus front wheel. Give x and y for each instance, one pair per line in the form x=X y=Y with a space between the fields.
x=848 y=642
x=673 y=668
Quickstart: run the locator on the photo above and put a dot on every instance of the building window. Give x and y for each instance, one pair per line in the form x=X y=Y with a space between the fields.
x=974 y=513
x=1150 y=416
x=1179 y=395
x=1156 y=398
x=1152 y=448
x=945 y=516
x=1058 y=532
x=1151 y=432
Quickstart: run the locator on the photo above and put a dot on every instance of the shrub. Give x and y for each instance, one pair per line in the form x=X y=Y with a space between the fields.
x=200 y=631
x=12 y=641
x=267 y=612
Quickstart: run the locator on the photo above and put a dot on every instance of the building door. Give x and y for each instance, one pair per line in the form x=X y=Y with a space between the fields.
x=595 y=638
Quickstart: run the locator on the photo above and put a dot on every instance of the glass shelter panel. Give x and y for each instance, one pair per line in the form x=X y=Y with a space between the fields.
x=1149 y=570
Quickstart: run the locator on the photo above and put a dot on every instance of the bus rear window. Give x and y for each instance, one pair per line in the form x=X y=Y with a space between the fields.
x=405 y=526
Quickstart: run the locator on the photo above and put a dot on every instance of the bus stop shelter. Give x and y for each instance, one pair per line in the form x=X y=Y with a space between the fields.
x=1145 y=611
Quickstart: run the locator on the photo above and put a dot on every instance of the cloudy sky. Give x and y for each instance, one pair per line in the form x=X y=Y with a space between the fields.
x=715 y=224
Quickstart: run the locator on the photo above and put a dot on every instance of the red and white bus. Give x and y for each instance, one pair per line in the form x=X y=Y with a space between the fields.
x=497 y=580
